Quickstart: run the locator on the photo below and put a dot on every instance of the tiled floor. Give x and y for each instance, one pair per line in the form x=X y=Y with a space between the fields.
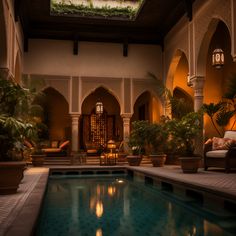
x=26 y=203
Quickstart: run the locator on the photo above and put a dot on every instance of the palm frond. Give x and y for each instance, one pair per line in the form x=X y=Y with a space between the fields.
x=211 y=109
x=231 y=87
x=223 y=117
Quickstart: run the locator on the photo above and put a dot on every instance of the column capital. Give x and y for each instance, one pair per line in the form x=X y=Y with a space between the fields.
x=126 y=115
x=197 y=81
x=75 y=115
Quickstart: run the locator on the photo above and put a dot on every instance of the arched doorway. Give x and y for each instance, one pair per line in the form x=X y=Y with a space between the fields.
x=177 y=83
x=98 y=129
x=216 y=79
x=56 y=113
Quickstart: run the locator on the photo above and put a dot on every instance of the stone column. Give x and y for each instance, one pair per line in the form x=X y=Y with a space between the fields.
x=75 y=132
x=126 y=129
x=198 y=85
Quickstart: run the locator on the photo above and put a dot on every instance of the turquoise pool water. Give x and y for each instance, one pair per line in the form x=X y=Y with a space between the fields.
x=118 y=206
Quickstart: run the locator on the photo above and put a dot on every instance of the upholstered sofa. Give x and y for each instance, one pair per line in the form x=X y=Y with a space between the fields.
x=57 y=148
x=221 y=152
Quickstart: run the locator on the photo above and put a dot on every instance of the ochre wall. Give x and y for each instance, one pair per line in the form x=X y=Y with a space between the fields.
x=94 y=59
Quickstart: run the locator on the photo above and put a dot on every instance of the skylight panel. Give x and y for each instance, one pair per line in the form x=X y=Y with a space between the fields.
x=112 y=9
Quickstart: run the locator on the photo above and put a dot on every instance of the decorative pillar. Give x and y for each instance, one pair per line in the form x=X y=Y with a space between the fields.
x=198 y=85
x=75 y=132
x=126 y=128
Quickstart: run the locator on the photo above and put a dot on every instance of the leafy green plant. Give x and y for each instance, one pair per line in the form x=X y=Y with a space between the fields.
x=14 y=128
x=184 y=131
x=91 y=10
x=137 y=139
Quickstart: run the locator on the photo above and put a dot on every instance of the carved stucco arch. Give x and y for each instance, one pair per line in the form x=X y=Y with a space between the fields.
x=172 y=68
x=203 y=51
x=94 y=88
x=58 y=91
x=3 y=37
x=144 y=90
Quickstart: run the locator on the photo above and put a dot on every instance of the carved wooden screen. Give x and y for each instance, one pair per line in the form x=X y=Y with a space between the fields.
x=98 y=129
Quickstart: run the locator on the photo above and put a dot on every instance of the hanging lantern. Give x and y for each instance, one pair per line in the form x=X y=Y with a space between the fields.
x=99 y=108
x=218 y=58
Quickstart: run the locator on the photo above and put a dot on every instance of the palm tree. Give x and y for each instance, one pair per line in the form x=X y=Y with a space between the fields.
x=221 y=112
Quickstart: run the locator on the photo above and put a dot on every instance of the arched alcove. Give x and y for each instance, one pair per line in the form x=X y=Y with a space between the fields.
x=216 y=79
x=147 y=107
x=180 y=93
x=56 y=110
x=111 y=121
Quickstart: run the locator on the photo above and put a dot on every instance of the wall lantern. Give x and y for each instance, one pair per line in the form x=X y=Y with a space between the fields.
x=218 y=58
x=99 y=108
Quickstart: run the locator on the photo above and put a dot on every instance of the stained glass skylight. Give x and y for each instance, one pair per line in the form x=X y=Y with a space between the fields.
x=113 y=9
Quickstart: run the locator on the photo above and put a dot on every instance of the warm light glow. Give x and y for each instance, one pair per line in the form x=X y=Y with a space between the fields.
x=111 y=190
x=218 y=58
x=99 y=108
x=99 y=232
x=99 y=209
x=120 y=181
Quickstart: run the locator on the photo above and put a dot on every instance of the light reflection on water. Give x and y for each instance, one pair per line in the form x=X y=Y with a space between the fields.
x=104 y=206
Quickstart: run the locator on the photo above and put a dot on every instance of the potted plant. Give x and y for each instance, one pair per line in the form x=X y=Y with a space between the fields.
x=137 y=141
x=156 y=139
x=14 y=129
x=184 y=131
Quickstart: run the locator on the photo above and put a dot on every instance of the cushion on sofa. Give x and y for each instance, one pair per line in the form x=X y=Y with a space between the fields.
x=64 y=144
x=54 y=144
x=230 y=134
x=51 y=150
x=222 y=143
x=217 y=154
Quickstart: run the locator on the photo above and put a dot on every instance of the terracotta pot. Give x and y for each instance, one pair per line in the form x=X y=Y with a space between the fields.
x=38 y=159
x=134 y=160
x=11 y=175
x=190 y=164
x=158 y=160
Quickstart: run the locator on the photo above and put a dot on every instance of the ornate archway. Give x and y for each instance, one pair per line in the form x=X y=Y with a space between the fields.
x=98 y=129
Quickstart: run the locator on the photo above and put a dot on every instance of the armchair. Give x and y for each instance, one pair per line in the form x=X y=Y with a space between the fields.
x=222 y=156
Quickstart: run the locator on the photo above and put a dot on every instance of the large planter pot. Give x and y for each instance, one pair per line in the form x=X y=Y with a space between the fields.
x=134 y=160
x=11 y=174
x=38 y=159
x=190 y=164
x=158 y=160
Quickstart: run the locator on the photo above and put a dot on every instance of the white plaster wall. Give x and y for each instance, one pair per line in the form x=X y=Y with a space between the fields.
x=54 y=57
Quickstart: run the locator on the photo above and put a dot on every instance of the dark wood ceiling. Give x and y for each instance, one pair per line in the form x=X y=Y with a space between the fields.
x=153 y=22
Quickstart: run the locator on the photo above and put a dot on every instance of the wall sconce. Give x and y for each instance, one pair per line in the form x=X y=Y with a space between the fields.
x=218 y=58
x=99 y=108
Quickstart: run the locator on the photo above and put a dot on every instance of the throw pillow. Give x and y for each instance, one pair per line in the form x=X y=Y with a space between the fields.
x=222 y=143
x=54 y=144
x=64 y=144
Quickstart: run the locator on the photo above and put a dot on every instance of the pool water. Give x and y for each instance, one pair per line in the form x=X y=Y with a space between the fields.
x=118 y=206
